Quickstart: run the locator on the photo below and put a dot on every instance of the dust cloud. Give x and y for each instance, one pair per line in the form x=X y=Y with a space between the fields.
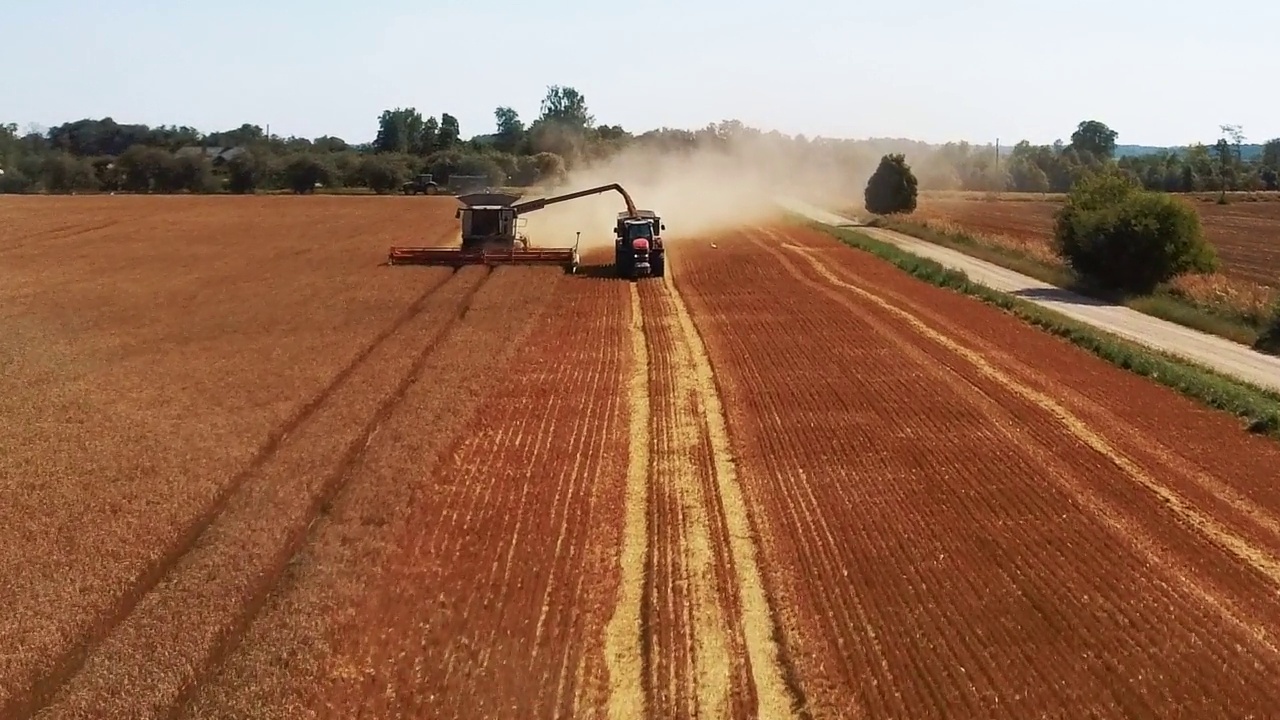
x=697 y=192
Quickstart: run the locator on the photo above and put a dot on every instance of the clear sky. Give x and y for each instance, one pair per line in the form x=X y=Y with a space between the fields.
x=1157 y=72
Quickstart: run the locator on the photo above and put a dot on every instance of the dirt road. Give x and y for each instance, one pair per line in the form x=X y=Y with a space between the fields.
x=1223 y=355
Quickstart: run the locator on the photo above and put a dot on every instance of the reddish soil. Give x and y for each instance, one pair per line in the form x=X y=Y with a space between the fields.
x=461 y=574
x=496 y=597
x=169 y=358
x=1246 y=234
x=943 y=538
x=273 y=479
x=695 y=648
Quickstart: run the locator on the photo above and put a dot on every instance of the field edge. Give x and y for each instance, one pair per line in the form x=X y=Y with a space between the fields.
x=1160 y=305
x=1257 y=407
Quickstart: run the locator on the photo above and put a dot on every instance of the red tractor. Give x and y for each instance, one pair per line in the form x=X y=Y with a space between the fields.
x=637 y=249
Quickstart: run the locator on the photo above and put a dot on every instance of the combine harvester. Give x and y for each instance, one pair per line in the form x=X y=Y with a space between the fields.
x=490 y=236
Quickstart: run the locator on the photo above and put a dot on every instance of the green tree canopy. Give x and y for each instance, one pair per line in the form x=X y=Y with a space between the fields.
x=566 y=106
x=1121 y=237
x=511 y=132
x=449 y=135
x=399 y=131
x=892 y=187
x=1095 y=138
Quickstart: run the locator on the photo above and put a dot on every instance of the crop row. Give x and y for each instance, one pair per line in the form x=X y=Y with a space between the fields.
x=938 y=539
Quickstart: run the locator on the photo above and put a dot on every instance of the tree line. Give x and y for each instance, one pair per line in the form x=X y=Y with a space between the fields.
x=1221 y=166
x=1117 y=235
x=103 y=155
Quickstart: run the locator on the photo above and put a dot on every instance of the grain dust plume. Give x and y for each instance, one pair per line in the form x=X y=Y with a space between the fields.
x=707 y=188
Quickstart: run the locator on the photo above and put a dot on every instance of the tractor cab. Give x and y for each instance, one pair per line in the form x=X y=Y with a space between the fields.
x=639 y=230
x=638 y=247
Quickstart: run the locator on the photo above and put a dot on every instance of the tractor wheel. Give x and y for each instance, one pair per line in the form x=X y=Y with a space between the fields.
x=658 y=264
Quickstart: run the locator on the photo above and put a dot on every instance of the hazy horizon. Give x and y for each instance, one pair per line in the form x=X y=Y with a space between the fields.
x=995 y=69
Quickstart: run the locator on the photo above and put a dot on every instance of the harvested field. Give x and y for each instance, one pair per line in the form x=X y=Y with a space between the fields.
x=172 y=359
x=453 y=574
x=273 y=479
x=1246 y=234
x=950 y=528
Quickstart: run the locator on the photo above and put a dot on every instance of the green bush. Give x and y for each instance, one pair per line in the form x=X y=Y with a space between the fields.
x=303 y=172
x=193 y=173
x=1270 y=179
x=507 y=162
x=15 y=181
x=145 y=169
x=246 y=172
x=64 y=173
x=543 y=168
x=381 y=175
x=1118 y=236
x=892 y=188
x=106 y=172
x=347 y=168
x=549 y=168
x=445 y=164
x=1269 y=340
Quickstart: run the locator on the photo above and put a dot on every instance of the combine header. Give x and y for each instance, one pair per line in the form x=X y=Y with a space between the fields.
x=490 y=235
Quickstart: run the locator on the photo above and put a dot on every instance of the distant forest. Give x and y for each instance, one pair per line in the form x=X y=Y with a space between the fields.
x=102 y=155
x=1248 y=151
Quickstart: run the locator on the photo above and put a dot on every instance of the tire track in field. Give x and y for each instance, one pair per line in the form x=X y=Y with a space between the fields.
x=1019 y=430
x=626 y=635
x=1220 y=498
x=690 y=663
x=904 y=525
x=26 y=704
x=713 y=650
x=807 y=509
x=64 y=232
x=1218 y=534
x=490 y=596
x=1243 y=549
x=567 y=443
x=107 y=674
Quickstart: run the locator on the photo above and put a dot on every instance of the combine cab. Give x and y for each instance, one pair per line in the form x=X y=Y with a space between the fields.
x=637 y=247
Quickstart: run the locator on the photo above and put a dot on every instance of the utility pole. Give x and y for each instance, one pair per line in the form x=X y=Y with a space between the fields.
x=997 y=175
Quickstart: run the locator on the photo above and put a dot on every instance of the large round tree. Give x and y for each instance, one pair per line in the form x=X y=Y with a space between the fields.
x=892 y=187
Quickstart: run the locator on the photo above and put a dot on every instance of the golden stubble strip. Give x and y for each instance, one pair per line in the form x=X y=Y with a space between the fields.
x=1253 y=556
x=774 y=699
x=623 y=647
x=679 y=472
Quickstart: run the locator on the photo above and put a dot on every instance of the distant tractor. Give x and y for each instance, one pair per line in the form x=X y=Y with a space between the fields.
x=421 y=184
x=637 y=247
